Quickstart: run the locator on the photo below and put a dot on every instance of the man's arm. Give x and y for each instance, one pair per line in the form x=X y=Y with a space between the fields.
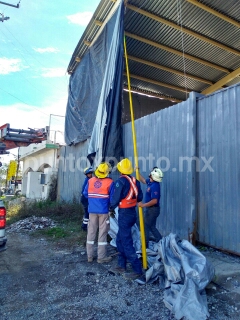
x=85 y=191
x=148 y=204
x=143 y=180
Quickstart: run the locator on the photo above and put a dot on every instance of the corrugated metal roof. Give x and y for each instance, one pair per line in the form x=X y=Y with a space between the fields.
x=100 y=14
x=230 y=8
x=193 y=54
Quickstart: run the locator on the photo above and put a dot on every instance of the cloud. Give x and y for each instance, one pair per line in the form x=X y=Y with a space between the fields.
x=10 y=65
x=44 y=50
x=80 y=18
x=53 y=72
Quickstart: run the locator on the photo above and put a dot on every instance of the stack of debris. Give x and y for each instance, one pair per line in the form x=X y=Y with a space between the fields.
x=31 y=224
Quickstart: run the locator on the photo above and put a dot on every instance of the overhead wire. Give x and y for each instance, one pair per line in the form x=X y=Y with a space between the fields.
x=28 y=104
x=14 y=96
x=29 y=53
x=179 y=12
x=23 y=101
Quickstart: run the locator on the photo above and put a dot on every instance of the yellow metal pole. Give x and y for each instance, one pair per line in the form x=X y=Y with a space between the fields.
x=140 y=210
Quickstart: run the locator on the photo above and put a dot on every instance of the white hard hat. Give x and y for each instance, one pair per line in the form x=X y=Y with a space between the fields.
x=156 y=174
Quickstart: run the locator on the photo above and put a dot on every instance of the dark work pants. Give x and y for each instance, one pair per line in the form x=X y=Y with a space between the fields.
x=150 y=219
x=126 y=219
x=85 y=217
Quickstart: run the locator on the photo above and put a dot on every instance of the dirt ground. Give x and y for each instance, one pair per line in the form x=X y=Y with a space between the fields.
x=41 y=279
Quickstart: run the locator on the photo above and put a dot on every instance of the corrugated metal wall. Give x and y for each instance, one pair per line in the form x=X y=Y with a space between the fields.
x=218 y=129
x=72 y=162
x=175 y=138
x=164 y=138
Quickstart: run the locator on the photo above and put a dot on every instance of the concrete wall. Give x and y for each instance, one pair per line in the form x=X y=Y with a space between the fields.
x=34 y=188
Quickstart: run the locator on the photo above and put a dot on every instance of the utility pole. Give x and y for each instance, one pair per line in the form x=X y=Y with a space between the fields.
x=2 y=18
x=11 y=5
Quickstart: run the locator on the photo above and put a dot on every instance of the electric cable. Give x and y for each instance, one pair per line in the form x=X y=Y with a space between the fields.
x=28 y=52
x=179 y=12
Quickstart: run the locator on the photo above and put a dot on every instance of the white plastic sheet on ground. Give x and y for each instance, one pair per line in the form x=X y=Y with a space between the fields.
x=181 y=270
x=114 y=230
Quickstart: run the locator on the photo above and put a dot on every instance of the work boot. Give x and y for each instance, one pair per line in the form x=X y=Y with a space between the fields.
x=104 y=260
x=132 y=276
x=117 y=270
x=141 y=279
x=90 y=259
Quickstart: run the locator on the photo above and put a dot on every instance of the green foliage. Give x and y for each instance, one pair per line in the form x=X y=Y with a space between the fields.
x=55 y=232
x=52 y=196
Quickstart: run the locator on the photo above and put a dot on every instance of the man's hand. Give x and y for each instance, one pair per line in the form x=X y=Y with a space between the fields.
x=141 y=205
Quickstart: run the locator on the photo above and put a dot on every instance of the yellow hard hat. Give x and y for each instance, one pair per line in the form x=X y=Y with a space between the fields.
x=102 y=170
x=125 y=166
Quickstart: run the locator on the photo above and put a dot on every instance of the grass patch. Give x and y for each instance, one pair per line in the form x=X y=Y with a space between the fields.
x=67 y=215
x=55 y=233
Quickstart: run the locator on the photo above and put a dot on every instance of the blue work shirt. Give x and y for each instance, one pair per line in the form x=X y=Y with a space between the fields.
x=121 y=189
x=84 y=200
x=99 y=204
x=153 y=192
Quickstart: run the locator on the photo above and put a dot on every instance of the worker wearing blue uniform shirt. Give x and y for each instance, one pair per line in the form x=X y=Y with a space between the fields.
x=84 y=201
x=151 y=205
x=127 y=193
x=99 y=190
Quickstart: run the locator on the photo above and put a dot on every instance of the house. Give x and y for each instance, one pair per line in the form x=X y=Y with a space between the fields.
x=39 y=167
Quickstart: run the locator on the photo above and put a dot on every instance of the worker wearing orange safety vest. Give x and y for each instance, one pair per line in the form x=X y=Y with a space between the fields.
x=127 y=193
x=98 y=190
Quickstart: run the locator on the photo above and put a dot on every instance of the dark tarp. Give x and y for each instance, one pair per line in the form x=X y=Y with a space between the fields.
x=95 y=93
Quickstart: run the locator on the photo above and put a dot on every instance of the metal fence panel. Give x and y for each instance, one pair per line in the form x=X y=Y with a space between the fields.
x=73 y=160
x=164 y=139
x=218 y=129
x=181 y=140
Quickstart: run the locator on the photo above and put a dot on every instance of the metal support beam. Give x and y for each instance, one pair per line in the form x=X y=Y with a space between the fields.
x=214 y=12
x=158 y=66
x=153 y=94
x=179 y=53
x=182 y=29
x=98 y=23
x=87 y=43
x=222 y=82
x=158 y=83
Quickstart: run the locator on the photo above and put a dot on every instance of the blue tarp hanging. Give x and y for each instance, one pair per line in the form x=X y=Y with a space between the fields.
x=95 y=93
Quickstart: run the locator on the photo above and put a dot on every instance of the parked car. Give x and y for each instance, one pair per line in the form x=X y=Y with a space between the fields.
x=3 y=238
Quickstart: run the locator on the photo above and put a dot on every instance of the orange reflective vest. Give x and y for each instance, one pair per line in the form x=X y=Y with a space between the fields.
x=99 y=188
x=131 y=198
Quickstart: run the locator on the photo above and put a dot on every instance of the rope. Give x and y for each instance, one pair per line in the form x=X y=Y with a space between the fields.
x=179 y=11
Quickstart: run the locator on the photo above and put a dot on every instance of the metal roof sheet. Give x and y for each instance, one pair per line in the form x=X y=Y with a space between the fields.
x=194 y=56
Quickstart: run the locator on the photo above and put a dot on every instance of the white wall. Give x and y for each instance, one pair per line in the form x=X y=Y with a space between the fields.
x=34 y=188
x=35 y=160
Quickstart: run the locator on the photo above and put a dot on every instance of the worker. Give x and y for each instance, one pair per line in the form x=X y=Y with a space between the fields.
x=127 y=192
x=98 y=190
x=84 y=201
x=151 y=205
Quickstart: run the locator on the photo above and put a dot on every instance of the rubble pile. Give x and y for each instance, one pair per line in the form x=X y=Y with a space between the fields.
x=31 y=224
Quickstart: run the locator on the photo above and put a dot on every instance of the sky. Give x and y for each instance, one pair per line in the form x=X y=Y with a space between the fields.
x=36 y=45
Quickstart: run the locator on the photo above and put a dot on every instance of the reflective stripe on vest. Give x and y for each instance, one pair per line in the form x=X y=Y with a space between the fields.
x=129 y=201
x=99 y=188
